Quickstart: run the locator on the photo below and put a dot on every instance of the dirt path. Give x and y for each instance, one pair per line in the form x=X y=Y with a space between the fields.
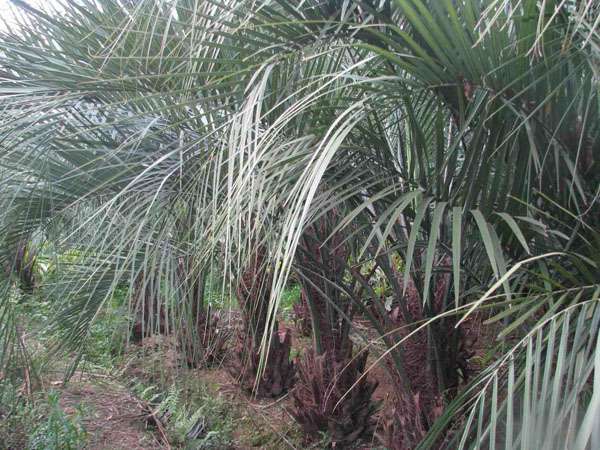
x=113 y=418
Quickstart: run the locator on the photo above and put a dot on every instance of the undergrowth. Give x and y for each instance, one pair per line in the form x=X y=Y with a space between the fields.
x=55 y=430
x=194 y=415
x=196 y=419
x=38 y=423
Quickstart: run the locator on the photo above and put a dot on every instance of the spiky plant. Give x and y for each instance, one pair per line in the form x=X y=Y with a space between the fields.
x=330 y=397
x=204 y=343
x=326 y=398
x=429 y=370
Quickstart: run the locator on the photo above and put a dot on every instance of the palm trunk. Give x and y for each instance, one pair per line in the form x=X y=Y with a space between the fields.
x=201 y=338
x=277 y=376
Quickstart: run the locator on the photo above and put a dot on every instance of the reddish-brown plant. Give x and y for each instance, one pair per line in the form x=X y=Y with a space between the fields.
x=277 y=374
x=430 y=367
x=326 y=398
x=323 y=398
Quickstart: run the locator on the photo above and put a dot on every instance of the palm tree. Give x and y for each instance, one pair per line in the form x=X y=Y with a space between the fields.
x=459 y=138
x=332 y=395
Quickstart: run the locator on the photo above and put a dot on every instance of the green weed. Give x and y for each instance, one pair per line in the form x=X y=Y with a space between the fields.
x=58 y=431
